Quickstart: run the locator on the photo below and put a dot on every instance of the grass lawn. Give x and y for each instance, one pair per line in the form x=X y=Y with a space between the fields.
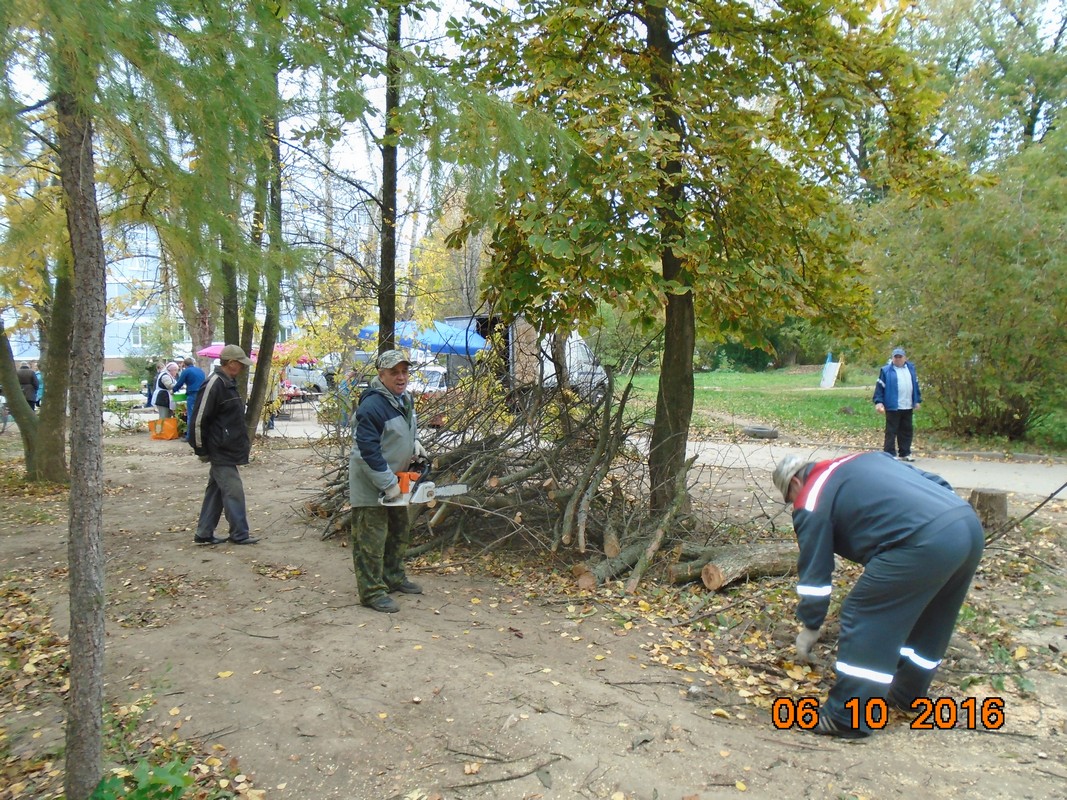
x=790 y=399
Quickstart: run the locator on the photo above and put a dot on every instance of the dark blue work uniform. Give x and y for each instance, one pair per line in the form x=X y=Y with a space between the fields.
x=919 y=544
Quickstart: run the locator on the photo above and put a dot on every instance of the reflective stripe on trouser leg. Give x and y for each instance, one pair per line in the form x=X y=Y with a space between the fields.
x=883 y=612
x=380 y=536
x=958 y=543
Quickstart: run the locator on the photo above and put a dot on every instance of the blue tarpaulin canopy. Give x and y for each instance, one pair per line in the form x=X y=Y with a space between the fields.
x=437 y=337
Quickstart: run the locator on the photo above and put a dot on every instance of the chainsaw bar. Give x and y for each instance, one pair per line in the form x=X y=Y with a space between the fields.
x=425 y=492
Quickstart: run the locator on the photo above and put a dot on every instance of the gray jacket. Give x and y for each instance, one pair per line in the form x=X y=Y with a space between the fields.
x=383 y=443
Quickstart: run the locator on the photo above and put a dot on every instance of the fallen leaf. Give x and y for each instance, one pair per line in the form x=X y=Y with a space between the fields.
x=545 y=777
x=226 y=674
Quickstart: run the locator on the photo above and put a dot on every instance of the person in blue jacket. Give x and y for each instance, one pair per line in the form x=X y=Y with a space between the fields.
x=919 y=544
x=385 y=443
x=191 y=379
x=897 y=395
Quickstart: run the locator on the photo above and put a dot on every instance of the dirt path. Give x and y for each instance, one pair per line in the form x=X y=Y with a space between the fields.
x=477 y=689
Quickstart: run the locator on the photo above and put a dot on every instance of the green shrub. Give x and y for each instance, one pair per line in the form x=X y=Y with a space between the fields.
x=123 y=410
x=147 y=782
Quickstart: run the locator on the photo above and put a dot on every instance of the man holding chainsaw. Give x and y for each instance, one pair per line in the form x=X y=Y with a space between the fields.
x=385 y=443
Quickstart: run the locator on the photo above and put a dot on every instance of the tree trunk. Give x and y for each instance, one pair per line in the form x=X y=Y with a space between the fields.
x=720 y=566
x=84 y=734
x=17 y=403
x=387 y=285
x=273 y=276
x=674 y=400
x=51 y=447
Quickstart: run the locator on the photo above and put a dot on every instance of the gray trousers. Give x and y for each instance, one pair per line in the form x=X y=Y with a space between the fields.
x=224 y=494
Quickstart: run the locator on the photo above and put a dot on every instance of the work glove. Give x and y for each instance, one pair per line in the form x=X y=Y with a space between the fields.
x=420 y=451
x=392 y=493
x=806 y=640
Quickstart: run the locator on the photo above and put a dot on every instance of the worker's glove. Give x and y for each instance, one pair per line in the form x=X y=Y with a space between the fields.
x=806 y=640
x=420 y=451
x=392 y=493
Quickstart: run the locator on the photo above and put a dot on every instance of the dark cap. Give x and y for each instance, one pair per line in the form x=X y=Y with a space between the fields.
x=232 y=352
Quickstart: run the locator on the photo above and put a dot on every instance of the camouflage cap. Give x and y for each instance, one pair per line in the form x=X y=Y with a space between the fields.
x=789 y=466
x=390 y=358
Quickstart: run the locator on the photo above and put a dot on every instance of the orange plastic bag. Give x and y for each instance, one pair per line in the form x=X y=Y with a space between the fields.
x=163 y=428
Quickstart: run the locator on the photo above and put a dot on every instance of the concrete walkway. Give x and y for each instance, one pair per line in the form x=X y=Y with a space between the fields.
x=1024 y=476
x=963 y=471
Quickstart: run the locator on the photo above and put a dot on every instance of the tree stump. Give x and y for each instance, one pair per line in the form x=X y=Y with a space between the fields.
x=991 y=505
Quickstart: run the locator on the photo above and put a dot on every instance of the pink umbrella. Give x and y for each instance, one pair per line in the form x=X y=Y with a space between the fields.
x=215 y=350
x=284 y=352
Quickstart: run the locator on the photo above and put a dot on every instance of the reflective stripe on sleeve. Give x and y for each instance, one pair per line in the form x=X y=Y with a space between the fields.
x=863 y=672
x=813 y=494
x=918 y=660
x=814 y=591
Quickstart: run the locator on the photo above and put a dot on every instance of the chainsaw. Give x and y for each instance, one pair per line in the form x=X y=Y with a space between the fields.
x=416 y=487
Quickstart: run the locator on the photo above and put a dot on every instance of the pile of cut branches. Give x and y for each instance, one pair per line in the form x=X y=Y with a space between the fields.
x=558 y=472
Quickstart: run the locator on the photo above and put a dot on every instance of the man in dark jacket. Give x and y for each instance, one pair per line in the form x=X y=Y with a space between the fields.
x=218 y=434
x=385 y=443
x=28 y=383
x=897 y=395
x=919 y=544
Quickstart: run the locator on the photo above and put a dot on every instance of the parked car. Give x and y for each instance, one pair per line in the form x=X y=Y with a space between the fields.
x=428 y=379
x=307 y=377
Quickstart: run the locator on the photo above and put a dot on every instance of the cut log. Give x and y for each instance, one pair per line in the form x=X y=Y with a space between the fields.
x=720 y=566
x=991 y=506
x=612 y=546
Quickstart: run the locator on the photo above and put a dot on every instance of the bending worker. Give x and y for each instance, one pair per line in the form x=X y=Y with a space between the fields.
x=919 y=544
x=385 y=443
